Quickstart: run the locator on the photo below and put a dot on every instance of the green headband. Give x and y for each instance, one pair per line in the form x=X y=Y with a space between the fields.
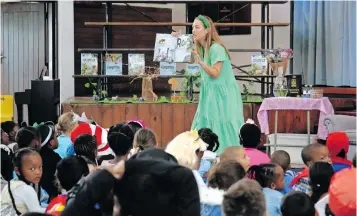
x=204 y=20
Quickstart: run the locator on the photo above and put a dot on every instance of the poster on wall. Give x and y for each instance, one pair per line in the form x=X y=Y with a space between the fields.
x=173 y=49
x=136 y=64
x=113 y=64
x=89 y=64
x=226 y=16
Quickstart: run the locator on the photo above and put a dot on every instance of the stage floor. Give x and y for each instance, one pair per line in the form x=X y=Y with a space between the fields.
x=169 y=119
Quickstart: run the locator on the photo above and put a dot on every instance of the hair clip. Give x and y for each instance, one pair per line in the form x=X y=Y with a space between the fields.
x=250 y=121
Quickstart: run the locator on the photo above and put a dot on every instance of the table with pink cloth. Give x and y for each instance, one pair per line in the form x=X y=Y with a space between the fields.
x=291 y=103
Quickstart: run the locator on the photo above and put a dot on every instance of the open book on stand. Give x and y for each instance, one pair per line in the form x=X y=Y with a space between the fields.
x=173 y=49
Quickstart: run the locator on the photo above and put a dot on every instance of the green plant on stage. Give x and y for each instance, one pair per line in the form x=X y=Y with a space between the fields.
x=163 y=99
x=97 y=93
x=246 y=92
x=135 y=98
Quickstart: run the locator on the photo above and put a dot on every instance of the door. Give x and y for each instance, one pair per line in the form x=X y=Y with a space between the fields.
x=23 y=46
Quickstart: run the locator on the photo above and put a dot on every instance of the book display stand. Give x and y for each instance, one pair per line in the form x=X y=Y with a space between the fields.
x=267 y=42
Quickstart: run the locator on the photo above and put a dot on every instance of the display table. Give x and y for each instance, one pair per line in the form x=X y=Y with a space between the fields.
x=290 y=103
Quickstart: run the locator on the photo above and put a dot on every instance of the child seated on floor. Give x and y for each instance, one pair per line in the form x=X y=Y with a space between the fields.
x=244 y=197
x=338 y=145
x=209 y=156
x=69 y=171
x=310 y=154
x=249 y=136
x=297 y=203
x=224 y=175
x=271 y=178
x=143 y=139
x=282 y=158
x=236 y=153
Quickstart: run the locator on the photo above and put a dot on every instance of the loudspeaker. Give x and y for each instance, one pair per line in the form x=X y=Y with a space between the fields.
x=45 y=100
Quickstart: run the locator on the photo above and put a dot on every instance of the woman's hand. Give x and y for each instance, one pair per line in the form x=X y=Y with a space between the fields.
x=197 y=57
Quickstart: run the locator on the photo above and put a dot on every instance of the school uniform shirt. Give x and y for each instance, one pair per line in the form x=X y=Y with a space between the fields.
x=65 y=146
x=49 y=163
x=208 y=159
x=301 y=182
x=288 y=177
x=25 y=197
x=339 y=164
x=273 y=200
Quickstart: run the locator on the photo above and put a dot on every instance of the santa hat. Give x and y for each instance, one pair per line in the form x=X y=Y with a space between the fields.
x=337 y=141
x=100 y=133
x=342 y=193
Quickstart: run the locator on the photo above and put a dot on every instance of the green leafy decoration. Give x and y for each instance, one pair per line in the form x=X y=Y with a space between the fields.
x=104 y=92
x=87 y=85
x=94 y=84
x=94 y=92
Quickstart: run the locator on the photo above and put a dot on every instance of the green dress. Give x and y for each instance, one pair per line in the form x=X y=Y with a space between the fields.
x=220 y=105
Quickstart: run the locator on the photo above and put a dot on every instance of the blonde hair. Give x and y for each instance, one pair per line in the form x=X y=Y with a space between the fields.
x=66 y=123
x=184 y=148
x=212 y=36
x=144 y=139
x=230 y=153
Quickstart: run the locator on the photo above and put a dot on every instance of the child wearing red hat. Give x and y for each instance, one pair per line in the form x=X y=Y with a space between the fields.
x=100 y=133
x=338 y=145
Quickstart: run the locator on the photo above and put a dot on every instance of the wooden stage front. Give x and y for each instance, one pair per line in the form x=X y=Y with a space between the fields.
x=169 y=119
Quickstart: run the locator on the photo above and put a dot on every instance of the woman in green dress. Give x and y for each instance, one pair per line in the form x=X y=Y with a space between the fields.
x=220 y=105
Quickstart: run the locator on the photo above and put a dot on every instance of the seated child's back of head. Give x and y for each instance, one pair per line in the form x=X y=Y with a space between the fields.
x=144 y=139
x=225 y=174
x=282 y=158
x=70 y=170
x=86 y=145
x=249 y=135
x=236 y=153
x=244 y=197
x=297 y=204
x=120 y=143
x=320 y=174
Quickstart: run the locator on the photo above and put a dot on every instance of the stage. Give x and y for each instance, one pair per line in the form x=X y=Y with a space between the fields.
x=169 y=119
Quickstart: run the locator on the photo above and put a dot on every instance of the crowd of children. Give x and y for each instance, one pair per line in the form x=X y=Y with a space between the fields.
x=79 y=168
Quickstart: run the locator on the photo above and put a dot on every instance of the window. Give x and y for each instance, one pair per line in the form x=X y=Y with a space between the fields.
x=217 y=11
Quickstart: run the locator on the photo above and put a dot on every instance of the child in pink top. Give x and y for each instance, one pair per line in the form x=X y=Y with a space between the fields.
x=249 y=136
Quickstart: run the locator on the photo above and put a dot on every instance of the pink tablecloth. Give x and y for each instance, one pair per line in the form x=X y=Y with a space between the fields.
x=291 y=103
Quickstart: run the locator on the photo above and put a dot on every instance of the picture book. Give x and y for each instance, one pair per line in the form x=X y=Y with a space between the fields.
x=89 y=64
x=173 y=49
x=167 y=68
x=136 y=64
x=259 y=64
x=113 y=64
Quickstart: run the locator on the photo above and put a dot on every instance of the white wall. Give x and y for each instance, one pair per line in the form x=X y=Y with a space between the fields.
x=66 y=49
x=278 y=13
